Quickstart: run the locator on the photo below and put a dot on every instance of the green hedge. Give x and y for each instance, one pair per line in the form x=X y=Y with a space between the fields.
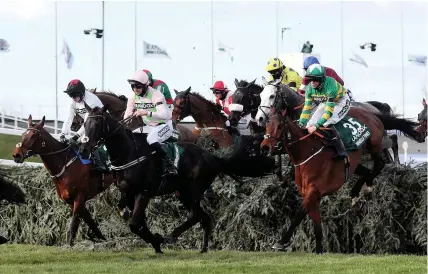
x=246 y=217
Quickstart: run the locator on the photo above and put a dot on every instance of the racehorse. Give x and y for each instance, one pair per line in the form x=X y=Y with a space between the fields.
x=207 y=115
x=116 y=105
x=422 y=118
x=316 y=172
x=74 y=180
x=271 y=88
x=197 y=169
x=11 y=193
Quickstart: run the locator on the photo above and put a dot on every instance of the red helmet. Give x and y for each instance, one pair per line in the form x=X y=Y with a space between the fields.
x=219 y=86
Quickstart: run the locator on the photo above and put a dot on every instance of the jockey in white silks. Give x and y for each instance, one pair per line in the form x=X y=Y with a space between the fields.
x=77 y=91
x=150 y=104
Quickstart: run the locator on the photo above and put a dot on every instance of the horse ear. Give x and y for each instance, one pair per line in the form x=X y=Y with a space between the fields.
x=265 y=82
x=252 y=82
x=188 y=89
x=94 y=90
x=42 y=122
x=424 y=102
x=236 y=82
x=30 y=121
x=176 y=91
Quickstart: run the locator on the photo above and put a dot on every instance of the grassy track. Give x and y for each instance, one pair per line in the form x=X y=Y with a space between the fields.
x=7 y=145
x=41 y=259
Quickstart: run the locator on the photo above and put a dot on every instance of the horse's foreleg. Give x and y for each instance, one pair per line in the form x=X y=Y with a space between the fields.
x=364 y=174
x=289 y=233
x=316 y=219
x=195 y=216
x=138 y=223
x=93 y=226
x=75 y=221
x=394 y=147
x=207 y=225
x=378 y=165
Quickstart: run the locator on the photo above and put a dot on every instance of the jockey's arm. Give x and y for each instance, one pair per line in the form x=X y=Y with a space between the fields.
x=162 y=111
x=336 y=77
x=92 y=101
x=306 y=112
x=67 y=123
x=129 y=107
x=164 y=89
x=334 y=92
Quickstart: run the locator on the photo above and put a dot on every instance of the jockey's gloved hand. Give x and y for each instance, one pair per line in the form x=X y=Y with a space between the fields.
x=62 y=138
x=302 y=126
x=75 y=137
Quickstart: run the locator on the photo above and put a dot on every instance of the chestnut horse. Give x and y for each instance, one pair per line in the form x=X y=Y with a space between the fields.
x=207 y=115
x=75 y=182
x=316 y=172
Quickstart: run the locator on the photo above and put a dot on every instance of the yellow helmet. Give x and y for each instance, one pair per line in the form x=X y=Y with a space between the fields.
x=274 y=64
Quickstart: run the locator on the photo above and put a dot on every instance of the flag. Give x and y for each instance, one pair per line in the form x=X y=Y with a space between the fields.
x=226 y=49
x=419 y=59
x=154 y=50
x=4 y=45
x=69 y=58
x=358 y=59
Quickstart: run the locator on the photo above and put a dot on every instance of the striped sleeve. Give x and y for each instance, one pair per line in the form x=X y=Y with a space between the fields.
x=306 y=112
x=334 y=92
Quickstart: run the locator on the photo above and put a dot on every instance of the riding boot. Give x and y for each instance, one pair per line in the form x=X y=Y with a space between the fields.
x=168 y=167
x=98 y=162
x=337 y=144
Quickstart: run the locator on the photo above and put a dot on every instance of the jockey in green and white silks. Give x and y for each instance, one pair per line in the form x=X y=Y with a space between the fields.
x=150 y=104
x=332 y=102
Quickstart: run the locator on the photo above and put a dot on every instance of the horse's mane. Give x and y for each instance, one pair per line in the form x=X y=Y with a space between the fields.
x=211 y=104
x=112 y=94
x=293 y=98
x=244 y=83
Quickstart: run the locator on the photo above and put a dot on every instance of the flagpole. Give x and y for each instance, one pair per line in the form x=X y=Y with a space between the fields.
x=402 y=58
x=56 y=66
x=341 y=36
x=212 y=41
x=102 y=59
x=135 y=35
x=276 y=28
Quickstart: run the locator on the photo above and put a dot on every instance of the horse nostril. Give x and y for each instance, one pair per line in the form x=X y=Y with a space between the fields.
x=261 y=119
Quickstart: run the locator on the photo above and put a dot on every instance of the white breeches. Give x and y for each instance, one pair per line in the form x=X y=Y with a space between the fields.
x=340 y=110
x=159 y=133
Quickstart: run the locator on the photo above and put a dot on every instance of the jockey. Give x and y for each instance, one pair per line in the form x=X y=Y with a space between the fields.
x=77 y=91
x=150 y=104
x=332 y=102
x=223 y=96
x=310 y=60
x=162 y=87
x=277 y=70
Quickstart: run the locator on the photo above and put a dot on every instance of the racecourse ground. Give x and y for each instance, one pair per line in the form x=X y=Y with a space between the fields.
x=41 y=259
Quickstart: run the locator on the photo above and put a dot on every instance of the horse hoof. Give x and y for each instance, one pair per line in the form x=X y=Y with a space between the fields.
x=159 y=238
x=125 y=214
x=278 y=247
x=204 y=250
x=368 y=191
x=158 y=251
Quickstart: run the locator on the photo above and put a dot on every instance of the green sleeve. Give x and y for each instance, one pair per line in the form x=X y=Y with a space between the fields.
x=331 y=91
x=306 y=112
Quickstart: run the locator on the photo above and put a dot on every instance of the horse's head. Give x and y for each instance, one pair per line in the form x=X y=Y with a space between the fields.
x=267 y=98
x=422 y=118
x=245 y=99
x=33 y=141
x=275 y=130
x=98 y=125
x=76 y=123
x=181 y=105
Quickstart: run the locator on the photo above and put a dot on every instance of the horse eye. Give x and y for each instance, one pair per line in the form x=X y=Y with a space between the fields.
x=33 y=136
x=272 y=96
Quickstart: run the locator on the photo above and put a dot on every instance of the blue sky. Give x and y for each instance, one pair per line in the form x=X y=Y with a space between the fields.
x=27 y=71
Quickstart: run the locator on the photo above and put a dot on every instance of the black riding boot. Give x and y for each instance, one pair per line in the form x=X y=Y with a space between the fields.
x=168 y=167
x=338 y=145
x=99 y=164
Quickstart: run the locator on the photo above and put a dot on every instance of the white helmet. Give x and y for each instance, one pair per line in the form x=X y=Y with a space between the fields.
x=140 y=77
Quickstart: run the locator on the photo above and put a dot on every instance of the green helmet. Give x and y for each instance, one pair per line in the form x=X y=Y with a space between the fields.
x=315 y=71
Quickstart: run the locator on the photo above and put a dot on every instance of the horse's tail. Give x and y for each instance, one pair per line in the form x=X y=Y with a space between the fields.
x=240 y=164
x=406 y=126
x=10 y=192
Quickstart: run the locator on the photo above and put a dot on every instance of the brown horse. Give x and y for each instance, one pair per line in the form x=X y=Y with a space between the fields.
x=75 y=182
x=316 y=172
x=422 y=118
x=208 y=116
x=116 y=105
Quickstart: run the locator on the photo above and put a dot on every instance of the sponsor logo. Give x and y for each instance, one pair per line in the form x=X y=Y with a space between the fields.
x=144 y=105
x=163 y=131
x=80 y=110
x=319 y=98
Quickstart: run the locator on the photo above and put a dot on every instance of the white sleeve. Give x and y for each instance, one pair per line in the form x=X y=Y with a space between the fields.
x=92 y=100
x=67 y=123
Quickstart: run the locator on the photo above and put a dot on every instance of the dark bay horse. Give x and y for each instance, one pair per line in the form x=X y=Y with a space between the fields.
x=10 y=193
x=207 y=115
x=116 y=105
x=197 y=169
x=75 y=181
x=316 y=172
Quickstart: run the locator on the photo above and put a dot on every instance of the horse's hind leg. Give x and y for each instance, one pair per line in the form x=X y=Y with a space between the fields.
x=207 y=225
x=394 y=148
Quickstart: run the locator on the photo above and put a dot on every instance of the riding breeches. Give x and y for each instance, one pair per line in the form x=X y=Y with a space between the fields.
x=340 y=110
x=159 y=133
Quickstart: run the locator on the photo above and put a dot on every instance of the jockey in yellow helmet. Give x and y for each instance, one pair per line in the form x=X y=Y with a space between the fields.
x=277 y=70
